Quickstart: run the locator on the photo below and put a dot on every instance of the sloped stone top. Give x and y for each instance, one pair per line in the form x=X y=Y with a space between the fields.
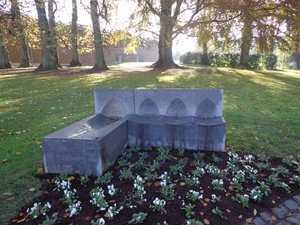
x=204 y=103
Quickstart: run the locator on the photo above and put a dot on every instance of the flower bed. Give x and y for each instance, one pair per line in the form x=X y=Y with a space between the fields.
x=164 y=186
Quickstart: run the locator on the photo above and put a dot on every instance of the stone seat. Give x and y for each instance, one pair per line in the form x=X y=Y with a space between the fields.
x=174 y=118
x=191 y=132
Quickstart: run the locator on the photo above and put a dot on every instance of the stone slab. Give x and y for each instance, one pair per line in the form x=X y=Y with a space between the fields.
x=91 y=152
x=280 y=211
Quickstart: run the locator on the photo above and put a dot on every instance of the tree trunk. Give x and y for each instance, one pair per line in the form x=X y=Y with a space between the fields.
x=52 y=25
x=165 y=43
x=205 y=60
x=4 y=56
x=99 y=55
x=16 y=19
x=247 y=37
x=49 y=49
x=75 y=58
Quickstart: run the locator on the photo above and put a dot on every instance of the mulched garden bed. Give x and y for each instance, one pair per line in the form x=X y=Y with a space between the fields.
x=184 y=169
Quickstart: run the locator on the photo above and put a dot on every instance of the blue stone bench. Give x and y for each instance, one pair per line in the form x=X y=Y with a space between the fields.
x=181 y=118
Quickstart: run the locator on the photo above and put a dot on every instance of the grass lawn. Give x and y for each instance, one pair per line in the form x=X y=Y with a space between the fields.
x=261 y=108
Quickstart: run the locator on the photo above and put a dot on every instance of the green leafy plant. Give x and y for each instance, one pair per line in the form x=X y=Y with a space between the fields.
x=140 y=164
x=158 y=205
x=191 y=181
x=168 y=192
x=193 y=222
x=112 y=211
x=282 y=170
x=263 y=166
x=264 y=188
x=198 y=172
x=237 y=186
x=181 y=152
x=51 y=220
x=104 y=179
x=218 y=184
x=194 y=195
x=98 y=198
x=99 y=221
x=150 y=176
x=176 y=169
x=215 y=199
x=288 y=160
x=243 y=199
x=189 y=210
x=219 y=212
x=37 y=209
x=215 y=158
x=295 y=180
x=138 y=218
x=83 y=180
x=126 y=174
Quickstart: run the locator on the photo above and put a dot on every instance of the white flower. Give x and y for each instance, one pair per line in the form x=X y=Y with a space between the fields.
x=48 y=205
x=101 y=221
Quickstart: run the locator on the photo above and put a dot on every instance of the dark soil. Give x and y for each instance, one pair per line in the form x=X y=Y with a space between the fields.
x=234 y=212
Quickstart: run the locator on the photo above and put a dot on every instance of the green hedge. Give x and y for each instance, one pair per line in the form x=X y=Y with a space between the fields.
x=228 y=60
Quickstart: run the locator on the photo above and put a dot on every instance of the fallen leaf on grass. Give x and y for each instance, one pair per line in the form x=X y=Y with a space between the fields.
x=149 y=184
x=32 y=189
x=66 y=215
x=106 y=214
x=40 y=171
x=206 y=221
x=18 y=153
x=182 y=184
x=11 y=198
x=112 y=201
x=7 y=193
x=228 y=210
x=201 y=213
x=4 y=160
x=240 y=216
x=227 y=194
x=97 y=216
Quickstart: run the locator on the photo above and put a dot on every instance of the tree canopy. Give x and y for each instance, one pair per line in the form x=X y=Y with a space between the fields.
x=247 y=25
